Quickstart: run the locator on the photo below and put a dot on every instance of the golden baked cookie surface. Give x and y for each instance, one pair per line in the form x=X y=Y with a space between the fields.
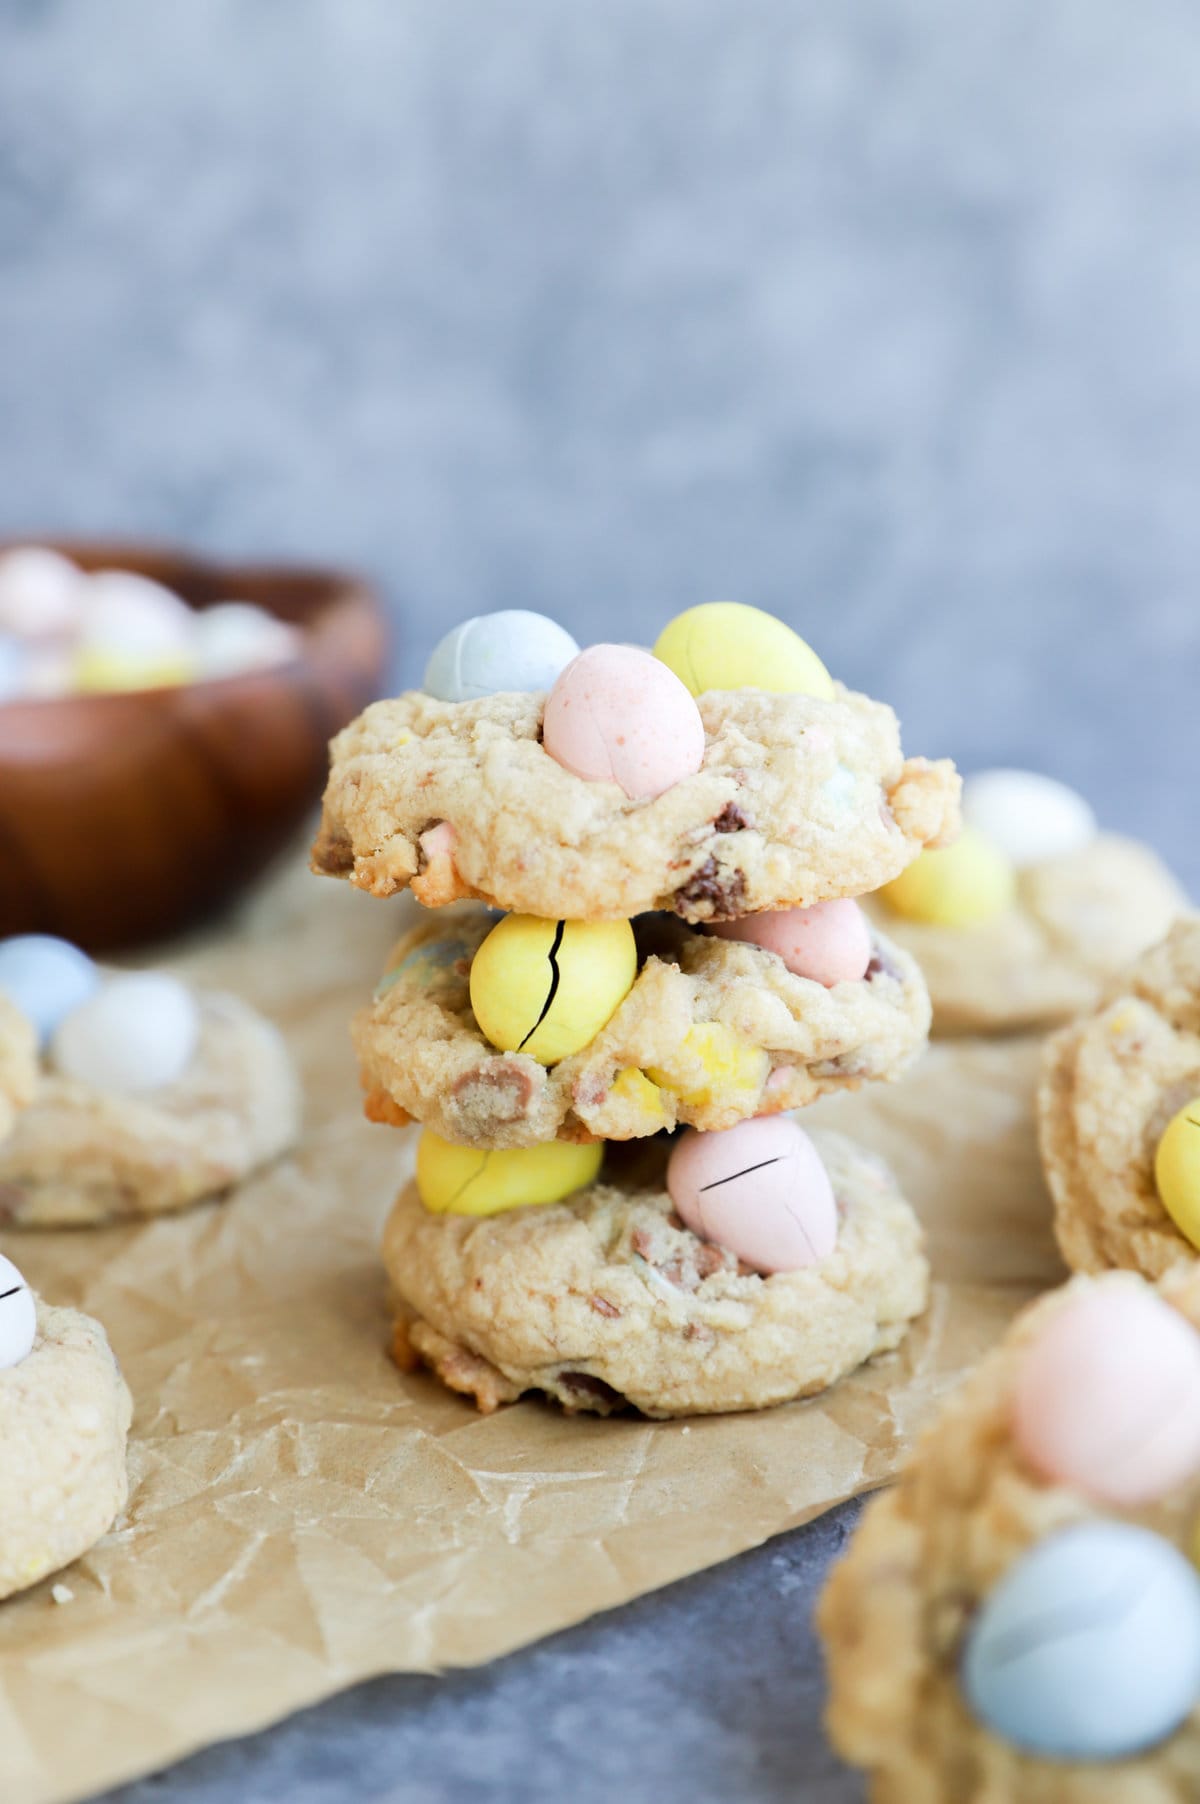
x=726 y=1028
x=798 y=800
x=64 y=1416
x=1110 y=1084
x=607 y=1300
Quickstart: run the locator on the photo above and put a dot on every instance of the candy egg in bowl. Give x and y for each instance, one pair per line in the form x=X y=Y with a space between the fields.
x=152 y=762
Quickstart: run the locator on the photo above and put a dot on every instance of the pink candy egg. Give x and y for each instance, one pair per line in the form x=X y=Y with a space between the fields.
x=830 y=942
x=1108 y=1397
x=618 y=715
x=759 y=1189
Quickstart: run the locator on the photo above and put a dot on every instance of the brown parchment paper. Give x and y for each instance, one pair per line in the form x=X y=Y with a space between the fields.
x=302 y=1516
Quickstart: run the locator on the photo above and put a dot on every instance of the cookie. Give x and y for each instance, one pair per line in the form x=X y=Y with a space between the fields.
x=798 y=799
x=79 y=1154
x=956 y=1653
x=18 y=1064
x=1110 y=1084
x=64 y=1416
x=727 y=1030
x=1075 y=923
x=607 y=1301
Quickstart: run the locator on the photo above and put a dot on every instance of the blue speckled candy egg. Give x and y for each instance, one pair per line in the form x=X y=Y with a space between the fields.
x=1089 y=1647
x=14 y=667
x=495 y=653
x=425 y=964
x=46 y=978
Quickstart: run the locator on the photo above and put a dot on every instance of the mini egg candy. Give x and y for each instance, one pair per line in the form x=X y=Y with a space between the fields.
x=18 y=1316
x=138 y=1032
x=548 y=987
x=40 y=592
x=498 y=653
x=727 y=645
x=108 y=673
x=425 y=965
x=641 y=1098
x=463 y=1180
x=235 y=636
x=618 y=715
x=1089 y=1647
x=1108 y=1397
x=1177 y=1170
x=829 y=943
x=730 y=1065
x=954 y=886
x=1030 y=817
x=758 y=1189
x=135 y=634
x=46 y=978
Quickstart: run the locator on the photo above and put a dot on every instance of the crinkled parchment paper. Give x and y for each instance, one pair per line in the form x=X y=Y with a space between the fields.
x=302 y=1516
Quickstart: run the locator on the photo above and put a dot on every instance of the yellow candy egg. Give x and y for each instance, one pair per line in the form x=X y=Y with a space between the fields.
x=712 y=1061
x=1177 y=1170
x=954 y=886
x=641 y=1097
x=104 y=673
x=548 y=987
x=727 y=645
x=462 y=1180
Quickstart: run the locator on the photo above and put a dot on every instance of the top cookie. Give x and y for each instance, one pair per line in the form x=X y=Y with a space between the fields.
x=798 y=799
x=18 y=1063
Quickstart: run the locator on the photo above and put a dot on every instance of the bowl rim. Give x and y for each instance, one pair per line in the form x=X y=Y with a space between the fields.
x=337 y=594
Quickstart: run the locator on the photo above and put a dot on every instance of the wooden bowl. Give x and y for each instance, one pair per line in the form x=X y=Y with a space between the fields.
x=126 y=817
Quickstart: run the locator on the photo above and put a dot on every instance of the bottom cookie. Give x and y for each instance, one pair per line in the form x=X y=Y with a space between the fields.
x=64 y=1417
x=607 y=1301
x=1018 y=1620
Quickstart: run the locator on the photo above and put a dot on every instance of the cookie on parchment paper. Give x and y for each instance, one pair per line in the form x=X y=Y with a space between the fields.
x=606 y=1300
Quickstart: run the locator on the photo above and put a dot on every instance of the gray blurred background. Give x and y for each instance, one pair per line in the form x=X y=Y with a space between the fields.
x=881 y=317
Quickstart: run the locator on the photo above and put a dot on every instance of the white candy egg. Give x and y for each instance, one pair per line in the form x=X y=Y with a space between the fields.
x=494 y=653
x=138 y=1032
x=18 y=1316
x=40 y=592
x=235 y=636
x=46 y=978
x=1029 y=816
x=130 y=613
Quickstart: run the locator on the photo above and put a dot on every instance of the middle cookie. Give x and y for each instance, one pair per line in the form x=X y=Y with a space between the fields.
x=711 y=1032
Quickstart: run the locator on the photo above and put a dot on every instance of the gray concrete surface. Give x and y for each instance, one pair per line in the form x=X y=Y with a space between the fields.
x=708 y=1690
x=881 y=317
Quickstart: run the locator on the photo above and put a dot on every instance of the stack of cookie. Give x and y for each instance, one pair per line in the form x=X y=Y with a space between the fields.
x=613 y=1204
